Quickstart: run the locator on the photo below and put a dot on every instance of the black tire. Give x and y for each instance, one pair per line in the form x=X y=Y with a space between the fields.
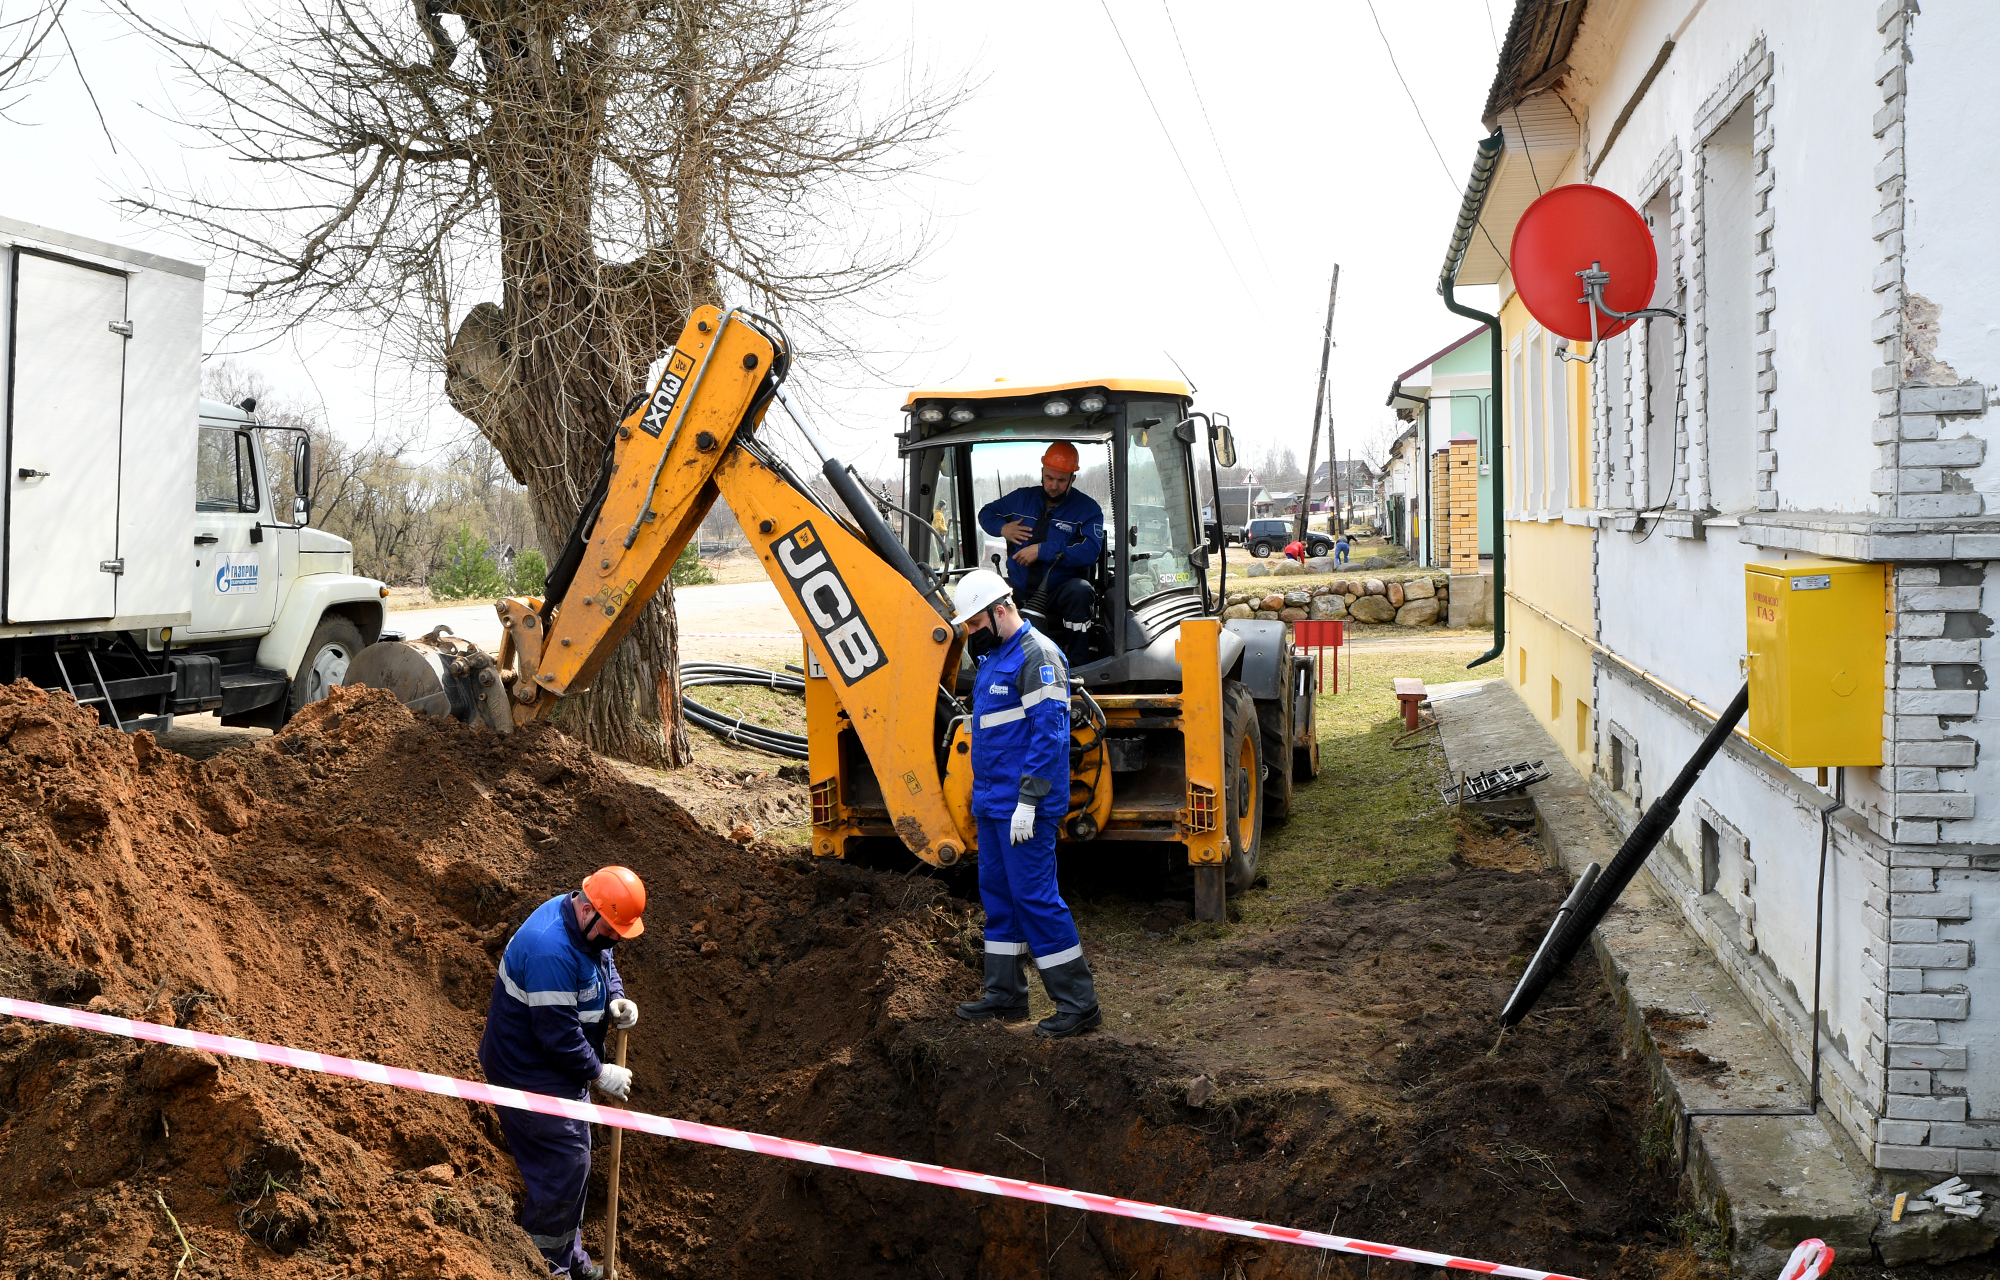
x=335 y=643
x=1274 y=725
x=1243 y=754
x=1261 y=549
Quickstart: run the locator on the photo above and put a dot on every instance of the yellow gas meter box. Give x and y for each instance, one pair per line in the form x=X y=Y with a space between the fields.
x=1817 y=639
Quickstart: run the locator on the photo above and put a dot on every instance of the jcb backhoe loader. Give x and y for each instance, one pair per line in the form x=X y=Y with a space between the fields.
x=1187 y=729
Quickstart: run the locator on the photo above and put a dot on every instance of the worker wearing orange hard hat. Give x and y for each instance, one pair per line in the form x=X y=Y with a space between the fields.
x=557 y=992
x=1055 y=534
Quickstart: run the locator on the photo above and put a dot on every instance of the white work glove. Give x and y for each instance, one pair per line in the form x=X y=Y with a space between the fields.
x=1022 y=829
x=624 y=1014
x=615 y=1081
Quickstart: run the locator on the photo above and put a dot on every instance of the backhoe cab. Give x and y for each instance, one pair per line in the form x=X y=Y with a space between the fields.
x=1188 y=730
x=1185 y=729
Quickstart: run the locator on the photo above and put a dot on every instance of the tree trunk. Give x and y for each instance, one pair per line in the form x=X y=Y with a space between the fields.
x=544 y=374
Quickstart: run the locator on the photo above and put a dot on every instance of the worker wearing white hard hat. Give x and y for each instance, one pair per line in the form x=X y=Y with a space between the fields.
x=1020 y=794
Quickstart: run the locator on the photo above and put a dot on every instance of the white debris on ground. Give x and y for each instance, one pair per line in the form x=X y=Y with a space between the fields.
x=1953 y=1195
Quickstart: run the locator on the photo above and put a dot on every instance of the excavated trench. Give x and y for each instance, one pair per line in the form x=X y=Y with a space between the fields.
x=347 y=885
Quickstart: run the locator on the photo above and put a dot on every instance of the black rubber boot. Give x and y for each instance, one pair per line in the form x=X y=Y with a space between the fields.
x=588 y=1271
x=1006 y=995
x=1075 y=994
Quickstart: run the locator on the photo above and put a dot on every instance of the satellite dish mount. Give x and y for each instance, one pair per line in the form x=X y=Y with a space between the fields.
x=1595 y=281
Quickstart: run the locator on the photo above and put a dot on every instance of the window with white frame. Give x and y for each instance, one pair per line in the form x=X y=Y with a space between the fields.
x=1726 y=261
x=1540 y=412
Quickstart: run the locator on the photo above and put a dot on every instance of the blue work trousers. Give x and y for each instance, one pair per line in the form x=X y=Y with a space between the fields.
x=553 y=1155
x=1017 y=886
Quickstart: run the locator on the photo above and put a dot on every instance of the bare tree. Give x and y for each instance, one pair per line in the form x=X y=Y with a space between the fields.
x=24 y=59
x=602 y=166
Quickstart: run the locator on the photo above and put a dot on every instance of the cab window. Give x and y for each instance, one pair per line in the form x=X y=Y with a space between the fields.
x=225 y=471
x=1161 y=504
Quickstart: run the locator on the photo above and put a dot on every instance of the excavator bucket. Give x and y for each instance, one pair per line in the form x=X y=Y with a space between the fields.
x=439 y=674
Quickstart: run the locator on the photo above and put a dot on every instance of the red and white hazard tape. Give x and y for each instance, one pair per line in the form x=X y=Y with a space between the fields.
x=763 y=1144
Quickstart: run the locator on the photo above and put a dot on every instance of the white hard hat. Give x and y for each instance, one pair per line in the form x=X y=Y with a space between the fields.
x=977 y=592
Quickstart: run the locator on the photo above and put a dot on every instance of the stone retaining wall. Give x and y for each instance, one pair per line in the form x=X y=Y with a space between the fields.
x=1292 y=592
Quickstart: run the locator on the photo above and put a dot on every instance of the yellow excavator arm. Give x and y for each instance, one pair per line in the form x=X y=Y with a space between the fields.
x=875 y=623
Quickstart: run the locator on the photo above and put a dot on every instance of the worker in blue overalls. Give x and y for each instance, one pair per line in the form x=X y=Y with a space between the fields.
x=1056 y=533
x=1020 y=793
x=545 y=1027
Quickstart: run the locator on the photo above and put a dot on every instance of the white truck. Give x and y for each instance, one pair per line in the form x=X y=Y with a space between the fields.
x=149 y=565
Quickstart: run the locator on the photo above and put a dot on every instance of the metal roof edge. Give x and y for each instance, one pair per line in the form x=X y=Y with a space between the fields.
x=50 y=238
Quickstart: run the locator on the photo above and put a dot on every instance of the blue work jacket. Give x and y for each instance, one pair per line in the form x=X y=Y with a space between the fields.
x=1020 y=728
x=545 y=1024
x=1074 y=538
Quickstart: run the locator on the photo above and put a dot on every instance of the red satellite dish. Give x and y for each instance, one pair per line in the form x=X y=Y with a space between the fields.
x=1566 y=231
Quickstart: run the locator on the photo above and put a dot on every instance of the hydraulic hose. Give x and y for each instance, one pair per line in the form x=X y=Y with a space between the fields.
x=734 y=728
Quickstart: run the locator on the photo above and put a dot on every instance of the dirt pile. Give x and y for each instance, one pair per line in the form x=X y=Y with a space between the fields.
x=347 y=886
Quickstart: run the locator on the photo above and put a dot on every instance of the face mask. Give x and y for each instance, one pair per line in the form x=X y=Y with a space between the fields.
x=982 y=642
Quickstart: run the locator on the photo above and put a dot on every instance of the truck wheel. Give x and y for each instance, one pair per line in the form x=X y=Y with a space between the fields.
x=334 y=644
x=1260 y=549
x=1243 y=760
x=1273 y=727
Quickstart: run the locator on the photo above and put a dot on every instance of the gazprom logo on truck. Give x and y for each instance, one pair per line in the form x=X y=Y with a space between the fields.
x=819 y=587
x=236 y=574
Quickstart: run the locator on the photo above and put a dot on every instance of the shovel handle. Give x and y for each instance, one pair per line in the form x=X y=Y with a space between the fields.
x=611 y=1218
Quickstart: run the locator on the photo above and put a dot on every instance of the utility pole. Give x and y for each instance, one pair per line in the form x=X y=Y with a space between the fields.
x=1319 y=404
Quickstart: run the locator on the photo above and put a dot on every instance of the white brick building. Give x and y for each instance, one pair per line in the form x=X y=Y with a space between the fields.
x=1821 y=181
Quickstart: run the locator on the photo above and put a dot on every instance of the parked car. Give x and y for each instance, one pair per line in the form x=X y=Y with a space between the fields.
x=1268 y=537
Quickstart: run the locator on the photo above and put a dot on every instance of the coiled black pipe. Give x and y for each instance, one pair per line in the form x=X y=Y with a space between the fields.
x=733 y=729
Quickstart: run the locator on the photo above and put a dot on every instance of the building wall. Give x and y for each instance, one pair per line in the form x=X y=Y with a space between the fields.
x=1548 y=576
x=1466 y=376
x=1816 y=177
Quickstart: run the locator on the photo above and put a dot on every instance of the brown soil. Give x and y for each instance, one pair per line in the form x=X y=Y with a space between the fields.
x=346 y=885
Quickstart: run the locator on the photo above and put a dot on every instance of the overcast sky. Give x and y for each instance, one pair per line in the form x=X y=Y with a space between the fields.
x=1069 y=239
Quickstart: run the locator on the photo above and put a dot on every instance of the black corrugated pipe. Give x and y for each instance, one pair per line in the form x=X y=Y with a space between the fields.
x=1572 y=929
x=1484 y=163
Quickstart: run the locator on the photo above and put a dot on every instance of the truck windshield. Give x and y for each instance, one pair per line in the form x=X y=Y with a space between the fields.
x=1163 y=533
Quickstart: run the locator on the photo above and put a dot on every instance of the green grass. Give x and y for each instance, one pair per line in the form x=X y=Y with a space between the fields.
x=759 y=705
x=1374 y=816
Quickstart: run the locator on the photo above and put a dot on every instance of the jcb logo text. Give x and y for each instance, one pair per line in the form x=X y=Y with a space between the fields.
x=827 y=602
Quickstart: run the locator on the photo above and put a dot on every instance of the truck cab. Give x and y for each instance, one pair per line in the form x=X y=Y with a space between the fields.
x=276 y=602
x=156 y=549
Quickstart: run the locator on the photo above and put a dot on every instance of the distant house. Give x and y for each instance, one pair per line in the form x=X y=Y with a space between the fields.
x=1447 y=397
x=1357 y=486
x=1402 y=492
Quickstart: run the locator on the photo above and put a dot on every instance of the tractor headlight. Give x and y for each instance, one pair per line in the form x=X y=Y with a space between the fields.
x=930 y=413
x=963 y=414
x=1056 y=408
x=1091 y=402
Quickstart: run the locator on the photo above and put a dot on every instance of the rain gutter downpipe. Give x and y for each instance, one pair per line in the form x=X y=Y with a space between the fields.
x=1484 y=163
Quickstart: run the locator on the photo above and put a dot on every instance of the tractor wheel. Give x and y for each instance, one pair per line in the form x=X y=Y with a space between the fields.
x=1243 y=762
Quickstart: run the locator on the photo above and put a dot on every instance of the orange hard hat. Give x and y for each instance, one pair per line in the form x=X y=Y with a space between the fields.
x=1062 y=457
x=620 y=897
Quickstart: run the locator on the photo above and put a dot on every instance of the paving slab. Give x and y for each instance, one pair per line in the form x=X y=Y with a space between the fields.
x=1772 y=1181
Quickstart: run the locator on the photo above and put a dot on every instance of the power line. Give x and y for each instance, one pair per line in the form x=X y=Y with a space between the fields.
x=1450 y=181
x=1435 y=149
x=1217 y=142
x=1175 y=148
